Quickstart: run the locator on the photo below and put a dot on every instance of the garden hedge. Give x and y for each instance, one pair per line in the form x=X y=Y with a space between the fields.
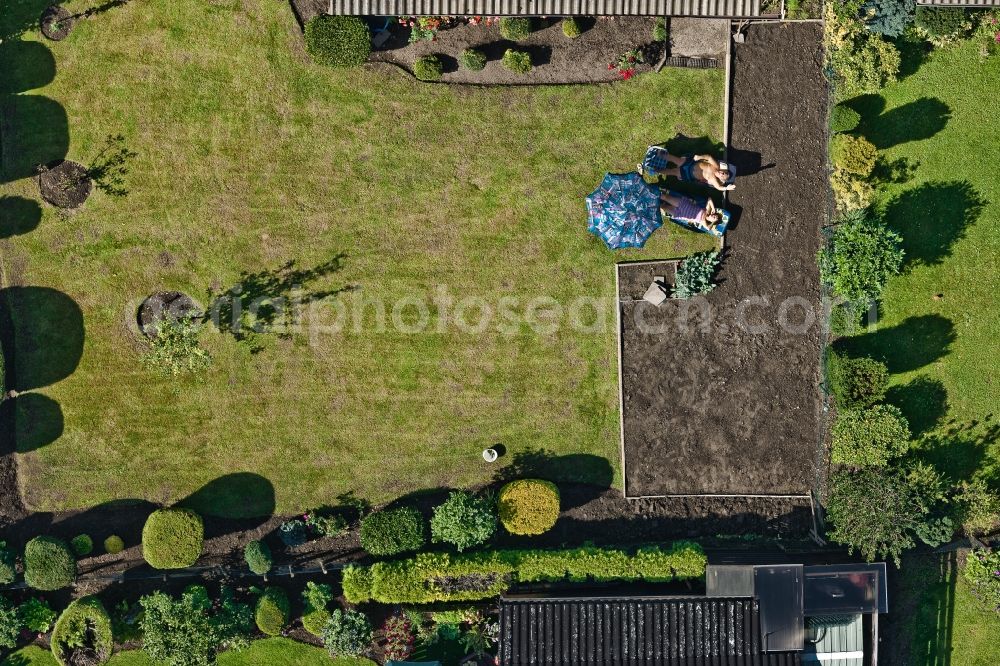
x=393 y=531
x=84 y=623
x=172 y=538
x=528 y=506
x=273 y=611
x=339 y=41
x=431 y=577
x=49 y=564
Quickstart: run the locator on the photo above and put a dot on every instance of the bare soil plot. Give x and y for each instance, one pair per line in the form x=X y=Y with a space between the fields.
x=720 y=394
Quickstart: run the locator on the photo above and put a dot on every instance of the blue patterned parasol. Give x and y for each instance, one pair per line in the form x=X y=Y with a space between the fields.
x=624 y=210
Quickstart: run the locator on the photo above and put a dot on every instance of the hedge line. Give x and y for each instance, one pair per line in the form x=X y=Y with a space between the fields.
x=430 y=577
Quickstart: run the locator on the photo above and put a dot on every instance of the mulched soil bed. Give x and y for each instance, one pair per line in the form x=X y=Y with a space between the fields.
x=711 y=406
x=164 y=304
x=65 y=184
x=56 y=22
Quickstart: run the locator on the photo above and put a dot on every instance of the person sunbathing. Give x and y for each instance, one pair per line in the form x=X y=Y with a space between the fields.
x=689 y=212
x=703 y=169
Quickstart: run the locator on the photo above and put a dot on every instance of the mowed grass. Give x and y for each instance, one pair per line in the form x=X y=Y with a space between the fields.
x=248 y=157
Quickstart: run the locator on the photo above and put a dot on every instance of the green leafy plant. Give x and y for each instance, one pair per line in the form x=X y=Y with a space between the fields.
x=986 y=32
x=49 y=564
x=293 y=532
x=430 y=577
x=82 y=634
x=571 y=27
x=189 y=630
x=516 y=61
x=942 y=22
x=174 y=350
x=888 y=17
x=870 y=437
x=850 y=192
x=172 y=538
x=428 y=68
x=323 y=524
x=660 y=29
x=82 y=545
x=315 y=599
x=860 y=258
x=844 y=119
x=8 y=572
x=982 y=572
x=515 y=28
x=10 y=624
x=114 y=545
x=463 y=520
x=36 y=615
x=393 y=531
x=528 y=506
x=695 y=273
x=978 y=507
x=339 y=41
x=862 y=62
x=853 y=154
x=857 y=382
x=347 y=634
x=424 y=28
x=473 y=60
x=258 y=557
x=273 y=611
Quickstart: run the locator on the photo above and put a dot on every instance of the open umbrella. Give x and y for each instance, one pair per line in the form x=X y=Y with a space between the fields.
x=624 y=210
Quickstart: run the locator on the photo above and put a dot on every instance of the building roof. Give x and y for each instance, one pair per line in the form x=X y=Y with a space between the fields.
x=960 y=3
x=716 y=8
x=674 y=631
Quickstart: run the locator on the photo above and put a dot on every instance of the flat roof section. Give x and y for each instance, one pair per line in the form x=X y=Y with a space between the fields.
x=705 y=8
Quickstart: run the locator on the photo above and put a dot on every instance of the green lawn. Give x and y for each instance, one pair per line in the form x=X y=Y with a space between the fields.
x=249 y=157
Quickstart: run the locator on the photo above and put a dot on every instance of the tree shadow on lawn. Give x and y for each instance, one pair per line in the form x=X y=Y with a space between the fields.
x=909 y=345
x=237 y=495
x=923 y=401
x=38 y=421
x=41 y=136
x=914 y=121
x=932 y=217
x=48 y=335
x=19 y=16
x=964 y=450
x=18 y=216
x=26 y=66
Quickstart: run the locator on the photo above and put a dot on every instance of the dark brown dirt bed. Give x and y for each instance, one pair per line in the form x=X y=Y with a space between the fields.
x=65 y=184
x=710 y=405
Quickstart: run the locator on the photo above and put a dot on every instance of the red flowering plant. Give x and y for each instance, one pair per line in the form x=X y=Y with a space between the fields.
x=482 y=20
x=626 y=63
x=398 y=634
x=425 y=28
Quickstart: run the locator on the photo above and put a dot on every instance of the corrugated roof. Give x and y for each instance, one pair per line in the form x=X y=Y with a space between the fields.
x=637 y=631
x=719 y=8
x=961 y=3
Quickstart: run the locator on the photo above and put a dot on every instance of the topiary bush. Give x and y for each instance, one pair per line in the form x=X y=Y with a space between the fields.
x=114 y=545
x=258 y=557
x=272 y=611
x=942 y=22
x=82 y=545
x=315 y=599
x=861 y=256
x=428 y=68
x=49 y=564
x=393 y=531
x=695 y=273
x=888 y=17
x=515 y=28
x=571 y=27
x=339 y=41
x=844 y=119
x=857 y=382
x=347 y=634
x=36 y=615
x=660 y=33
x=854 y=154
x=172 y=538
x=8 y=572
x=528 y=506
x=463 y=520
x=82 y=633
x=870 y=437
x=518 y=62
x=473 y=60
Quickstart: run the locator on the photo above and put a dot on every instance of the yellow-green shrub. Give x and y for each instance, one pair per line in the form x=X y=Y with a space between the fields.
x=528 y=506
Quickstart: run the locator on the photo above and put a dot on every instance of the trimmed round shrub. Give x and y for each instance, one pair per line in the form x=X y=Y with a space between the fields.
x=172 y=538
x=941 y=22
x=528 y=506
x=114 y=545
x=571 y=27
x=473 y=60
x=273 y=611
x=82 y=632
x=515 y=28
x=858 y=382
x=315 y=599
x=339 y=41
x=463 y=520
x=870 y=437
x=428 y=68
x=82 y=545
x=844 y=119
x=49 y=564
x=258 y=557
x=861 y=257
x=393 y=531
x=518 y=62
x=347 y=634
x=853 y=154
